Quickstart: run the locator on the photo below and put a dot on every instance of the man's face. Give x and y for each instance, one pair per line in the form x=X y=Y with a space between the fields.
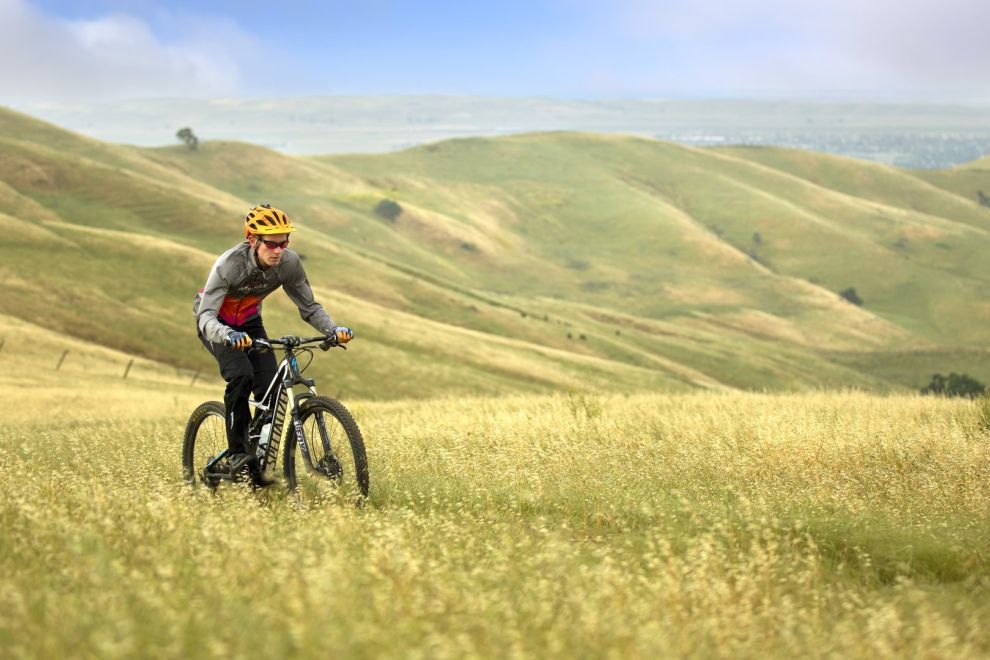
x=270 y=247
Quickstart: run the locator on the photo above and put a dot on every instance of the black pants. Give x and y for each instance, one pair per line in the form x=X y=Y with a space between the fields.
x=245 y=372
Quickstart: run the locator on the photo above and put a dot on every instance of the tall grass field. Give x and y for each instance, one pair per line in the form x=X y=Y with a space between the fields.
x=678 y=525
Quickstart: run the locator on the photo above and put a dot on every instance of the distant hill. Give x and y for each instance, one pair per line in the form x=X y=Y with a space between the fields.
x=546 y=261
x=924 y=135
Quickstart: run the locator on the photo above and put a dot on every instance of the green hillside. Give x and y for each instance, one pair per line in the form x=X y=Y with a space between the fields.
x=527 y=263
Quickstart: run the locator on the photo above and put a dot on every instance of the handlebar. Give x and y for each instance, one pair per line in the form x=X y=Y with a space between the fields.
x=291 y=341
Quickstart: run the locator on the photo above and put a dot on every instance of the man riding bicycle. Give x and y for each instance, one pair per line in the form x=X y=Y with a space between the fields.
x=228 y=318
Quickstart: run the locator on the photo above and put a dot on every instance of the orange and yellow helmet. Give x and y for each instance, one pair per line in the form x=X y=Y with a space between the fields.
x=263 y=219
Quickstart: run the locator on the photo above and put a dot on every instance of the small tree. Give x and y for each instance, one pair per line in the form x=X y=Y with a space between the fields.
x=851 y=295
x=388 y=209
x=955 y=385
x=982 y=196
x=186 y=135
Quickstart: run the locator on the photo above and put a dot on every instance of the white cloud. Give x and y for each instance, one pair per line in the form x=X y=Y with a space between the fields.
x=117 y=56
x=922 y=43
x=884 y=45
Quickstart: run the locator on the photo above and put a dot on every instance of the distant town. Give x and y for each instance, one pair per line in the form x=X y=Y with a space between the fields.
x=905 y=149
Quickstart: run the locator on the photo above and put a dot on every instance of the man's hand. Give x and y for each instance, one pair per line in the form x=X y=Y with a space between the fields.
x=342 y=334
x=238 y=340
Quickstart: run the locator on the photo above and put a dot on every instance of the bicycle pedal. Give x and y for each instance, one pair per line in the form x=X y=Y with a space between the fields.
x=222 y=471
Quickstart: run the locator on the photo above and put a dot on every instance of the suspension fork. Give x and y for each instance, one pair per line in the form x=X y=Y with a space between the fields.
x=298 y=426
x=324 y=435
x=295 y=405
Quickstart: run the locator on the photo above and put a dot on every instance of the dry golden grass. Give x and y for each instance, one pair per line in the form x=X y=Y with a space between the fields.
x=732 y=525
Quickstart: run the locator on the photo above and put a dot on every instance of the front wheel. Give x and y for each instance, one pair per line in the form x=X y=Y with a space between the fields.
x=336 y=460
x=205 y=439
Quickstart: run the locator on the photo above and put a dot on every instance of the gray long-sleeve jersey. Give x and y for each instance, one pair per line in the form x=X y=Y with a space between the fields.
x=236 y=286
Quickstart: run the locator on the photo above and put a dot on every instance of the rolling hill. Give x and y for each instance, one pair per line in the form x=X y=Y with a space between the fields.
x=549 y=261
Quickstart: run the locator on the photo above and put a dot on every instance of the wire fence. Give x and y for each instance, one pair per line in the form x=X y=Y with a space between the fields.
x=79 y=365
x=71 y=364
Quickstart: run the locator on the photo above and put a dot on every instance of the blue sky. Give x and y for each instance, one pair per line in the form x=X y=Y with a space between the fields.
x=107 y=49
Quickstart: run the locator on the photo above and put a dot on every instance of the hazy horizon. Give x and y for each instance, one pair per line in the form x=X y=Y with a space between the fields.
x=909 y=135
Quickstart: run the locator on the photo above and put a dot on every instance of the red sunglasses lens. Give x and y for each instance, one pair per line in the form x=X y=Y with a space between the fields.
x=271 y=245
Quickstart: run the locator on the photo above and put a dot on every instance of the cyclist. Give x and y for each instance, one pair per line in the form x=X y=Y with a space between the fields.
x=228 y=318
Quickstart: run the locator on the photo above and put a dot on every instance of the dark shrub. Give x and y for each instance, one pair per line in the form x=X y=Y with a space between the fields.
x=388 y=209
x=954 y=385
x=851 y=295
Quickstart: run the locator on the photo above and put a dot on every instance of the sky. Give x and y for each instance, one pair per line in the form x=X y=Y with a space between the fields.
x=104 y=50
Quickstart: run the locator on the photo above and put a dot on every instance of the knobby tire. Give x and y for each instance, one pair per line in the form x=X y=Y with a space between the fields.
x=203 y=439
x=352 y=466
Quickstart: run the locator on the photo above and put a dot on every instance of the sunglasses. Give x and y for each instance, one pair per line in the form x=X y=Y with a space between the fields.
x=271 y=245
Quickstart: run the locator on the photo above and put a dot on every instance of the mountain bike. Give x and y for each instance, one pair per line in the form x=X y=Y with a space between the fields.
x=323 y=444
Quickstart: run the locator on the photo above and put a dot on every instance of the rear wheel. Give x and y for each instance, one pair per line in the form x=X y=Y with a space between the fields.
x=337 y=463
x=206 y=438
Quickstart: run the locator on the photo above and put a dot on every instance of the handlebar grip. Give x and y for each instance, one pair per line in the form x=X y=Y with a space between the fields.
x=261 y=345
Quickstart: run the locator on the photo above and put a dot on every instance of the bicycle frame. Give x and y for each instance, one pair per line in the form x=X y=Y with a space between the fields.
x=279 y=397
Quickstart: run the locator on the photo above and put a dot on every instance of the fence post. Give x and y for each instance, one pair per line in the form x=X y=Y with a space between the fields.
x=2 y=342
x=61 y=359
x=195 y=376
x=128 y=369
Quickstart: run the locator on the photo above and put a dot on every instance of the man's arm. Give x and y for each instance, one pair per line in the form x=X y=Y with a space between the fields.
x=209 y=306
x=297 y=288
